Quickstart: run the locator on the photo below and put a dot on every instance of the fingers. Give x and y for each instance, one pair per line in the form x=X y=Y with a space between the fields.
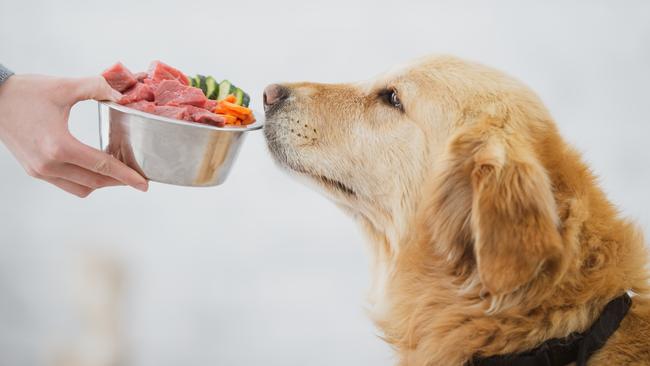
x=70 y=187
x=84 y=177
x=101 y=163
x=94 y=87
x=74 y=179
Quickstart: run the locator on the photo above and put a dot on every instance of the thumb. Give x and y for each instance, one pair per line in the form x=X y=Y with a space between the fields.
x=94 y=87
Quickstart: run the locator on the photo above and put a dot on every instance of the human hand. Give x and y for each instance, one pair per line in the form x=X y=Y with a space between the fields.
x=34 y=113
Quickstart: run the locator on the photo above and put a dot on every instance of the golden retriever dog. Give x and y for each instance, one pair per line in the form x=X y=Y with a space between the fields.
x=490 y=235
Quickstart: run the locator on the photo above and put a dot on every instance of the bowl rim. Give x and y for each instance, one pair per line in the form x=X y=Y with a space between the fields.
x=258 y=124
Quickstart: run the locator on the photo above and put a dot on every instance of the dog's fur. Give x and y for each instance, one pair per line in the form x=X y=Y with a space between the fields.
x=489 y=233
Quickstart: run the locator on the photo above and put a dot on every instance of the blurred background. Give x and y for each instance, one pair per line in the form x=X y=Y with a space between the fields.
x=262 y=270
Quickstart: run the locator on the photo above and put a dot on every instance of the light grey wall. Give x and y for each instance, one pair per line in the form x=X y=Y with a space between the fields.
x=262 y=270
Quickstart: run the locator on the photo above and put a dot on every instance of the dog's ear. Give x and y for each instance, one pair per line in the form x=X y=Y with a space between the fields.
x=493 y=208
x=514 y=221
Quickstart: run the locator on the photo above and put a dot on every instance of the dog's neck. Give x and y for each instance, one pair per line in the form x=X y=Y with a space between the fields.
x=434 y=314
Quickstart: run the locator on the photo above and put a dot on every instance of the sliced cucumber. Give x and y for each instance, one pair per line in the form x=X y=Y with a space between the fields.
x=195 y=81
x=245 y=100
x=219 y=91
x=202 y=85
x=239 y=95
x=212 y=88
x=224 y=89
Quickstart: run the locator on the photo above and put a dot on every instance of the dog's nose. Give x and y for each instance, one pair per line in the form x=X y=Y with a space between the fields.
x=274 y=94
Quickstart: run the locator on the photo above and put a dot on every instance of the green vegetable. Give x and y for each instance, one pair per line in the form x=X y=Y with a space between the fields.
x=195 y=81
x=202 y=85
x=212 y=88
x=218 y=91
x=245 y=100
x=239 y=95
x=224 y=89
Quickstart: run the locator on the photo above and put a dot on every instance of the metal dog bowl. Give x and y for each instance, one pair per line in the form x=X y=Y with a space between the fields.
x=168 y=150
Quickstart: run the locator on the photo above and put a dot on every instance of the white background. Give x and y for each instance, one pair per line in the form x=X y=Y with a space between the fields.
x=261 y=270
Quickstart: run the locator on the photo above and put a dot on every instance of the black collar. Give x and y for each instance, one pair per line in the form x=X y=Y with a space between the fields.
x=576 y=347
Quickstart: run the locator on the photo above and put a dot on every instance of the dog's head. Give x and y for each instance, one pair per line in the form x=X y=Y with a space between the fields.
x=458 y=143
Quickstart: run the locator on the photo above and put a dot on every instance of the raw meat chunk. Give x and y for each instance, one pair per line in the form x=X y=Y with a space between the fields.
x=141 y=76
x=201 y=115
x=171 y=92
x=144 y=106
x=170 y=112
x=159 y=71
x=119 y=77
x=210 y=104
x=137 y=93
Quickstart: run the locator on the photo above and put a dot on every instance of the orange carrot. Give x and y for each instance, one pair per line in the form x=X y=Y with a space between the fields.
x=248 y=120
x=234 y=107
x=229 y=119
x=230 y=114
x=219 y=110
x=236 y=114
x=228 y=110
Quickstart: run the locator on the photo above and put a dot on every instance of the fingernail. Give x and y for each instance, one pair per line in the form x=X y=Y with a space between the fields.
x=142 y=186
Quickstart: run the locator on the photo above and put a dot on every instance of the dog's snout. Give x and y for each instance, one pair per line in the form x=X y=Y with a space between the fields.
x=274 y=94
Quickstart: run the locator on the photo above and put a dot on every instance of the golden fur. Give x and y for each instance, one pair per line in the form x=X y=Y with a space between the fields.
x=489 y=233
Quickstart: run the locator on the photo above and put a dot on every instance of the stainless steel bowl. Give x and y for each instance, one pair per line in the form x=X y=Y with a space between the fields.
x=168 y=150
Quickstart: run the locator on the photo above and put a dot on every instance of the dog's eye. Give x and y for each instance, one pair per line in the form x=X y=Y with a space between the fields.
x=390 y=96
x=394 y=100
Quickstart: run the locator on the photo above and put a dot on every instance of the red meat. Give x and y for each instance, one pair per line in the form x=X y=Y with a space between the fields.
x=137 y=93
x=140 y=76
x=159 y=71
x=144 y=106
x=150 y=82
x=171 y=92
x=201 y=115
x=119 y=77
x=171 y=112
x=210 y=104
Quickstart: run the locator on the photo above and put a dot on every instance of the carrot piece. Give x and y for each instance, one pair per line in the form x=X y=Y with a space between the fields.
x=226 y=110
x=248 y=120
x=230 y=98
x=225 y=107
x=229 y=120
x=219 y=110
x=233 y=113
x=237 y=108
